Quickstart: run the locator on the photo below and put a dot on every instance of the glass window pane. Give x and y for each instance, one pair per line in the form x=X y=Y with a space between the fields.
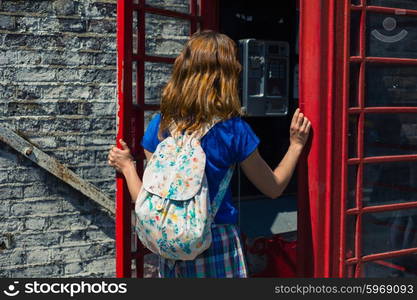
x=353 y=136
x=156 y=77
x=390 y=182
x=390 y=134
x=134 y=245
x=355 y=19
x=354 y=84
x=408 y=4
x=391 y=85
x=350 y=235
x=148 y=117
x=356 y=2
x=151 y=265
x=134 y=83
x=389 y=231
x=350 y=271
x=403 y=266
x=351 y=190
x=149 y=114
x=182 y=6
x=135 y=32
x=391 y=35
x=165 y=36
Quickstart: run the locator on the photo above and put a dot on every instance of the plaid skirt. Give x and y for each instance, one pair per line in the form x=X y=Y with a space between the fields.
x=224 y=258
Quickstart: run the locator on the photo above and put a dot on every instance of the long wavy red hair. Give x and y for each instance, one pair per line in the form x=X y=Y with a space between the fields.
x=203 y=84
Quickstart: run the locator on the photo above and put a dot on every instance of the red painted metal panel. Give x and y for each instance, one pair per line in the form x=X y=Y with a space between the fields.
x=381 y=109
x=166 y=12
x=391 y=158
x=386 y=60
x=124 y=75
x=315 y=170
x=340 y=136
x=150 y=58
x=305 y=267
x=380 y=208
x=360 y=142
x=392 y=11
x=194 y=13
x=377 y=256
x=210 y=9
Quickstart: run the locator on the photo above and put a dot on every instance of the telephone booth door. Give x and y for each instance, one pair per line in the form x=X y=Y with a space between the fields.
x=149 y=37
x=358 y=84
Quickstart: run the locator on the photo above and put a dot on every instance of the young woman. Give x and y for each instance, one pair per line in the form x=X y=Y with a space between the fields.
x=204 y=86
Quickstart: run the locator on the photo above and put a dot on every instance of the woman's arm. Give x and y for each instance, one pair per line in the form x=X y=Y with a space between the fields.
x=133 y=181
x=270 y=182
x=122 y=161
x=273 y=182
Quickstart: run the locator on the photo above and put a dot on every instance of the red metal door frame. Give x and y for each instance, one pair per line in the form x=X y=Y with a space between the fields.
x=124 y=76
x=316 y=167
x=131 y=116
x=325 y=61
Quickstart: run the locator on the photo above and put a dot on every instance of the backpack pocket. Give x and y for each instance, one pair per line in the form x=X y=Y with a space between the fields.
x=171 y=228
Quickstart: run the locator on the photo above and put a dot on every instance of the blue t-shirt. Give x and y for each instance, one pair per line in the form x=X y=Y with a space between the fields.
x=228 y=142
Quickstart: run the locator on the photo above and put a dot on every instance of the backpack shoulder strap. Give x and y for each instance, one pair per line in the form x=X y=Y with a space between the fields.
x=224 y=184
x=206 y=127
x=210 y=125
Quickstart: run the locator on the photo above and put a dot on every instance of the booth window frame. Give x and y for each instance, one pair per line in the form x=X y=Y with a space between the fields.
x=354 y=266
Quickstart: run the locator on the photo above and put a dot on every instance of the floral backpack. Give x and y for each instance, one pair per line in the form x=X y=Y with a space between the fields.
x=173 y=209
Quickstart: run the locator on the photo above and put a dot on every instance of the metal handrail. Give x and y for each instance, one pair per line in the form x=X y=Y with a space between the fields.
x=56 y=168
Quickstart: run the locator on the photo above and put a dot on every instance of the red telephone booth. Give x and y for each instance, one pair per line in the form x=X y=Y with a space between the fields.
x=356 y=182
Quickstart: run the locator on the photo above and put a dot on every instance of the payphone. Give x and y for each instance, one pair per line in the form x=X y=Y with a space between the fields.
x=264 y=84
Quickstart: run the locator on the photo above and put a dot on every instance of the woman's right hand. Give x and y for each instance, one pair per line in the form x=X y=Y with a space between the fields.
x=120 y=159
x=299 y=129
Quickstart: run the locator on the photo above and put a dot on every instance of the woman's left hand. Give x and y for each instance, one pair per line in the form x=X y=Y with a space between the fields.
x=299 y=129
x=120 y=159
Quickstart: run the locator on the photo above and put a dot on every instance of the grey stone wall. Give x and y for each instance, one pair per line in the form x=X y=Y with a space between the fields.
x=58 y=90
x=57 y=62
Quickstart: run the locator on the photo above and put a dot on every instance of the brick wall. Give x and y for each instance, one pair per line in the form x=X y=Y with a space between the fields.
x=58 y=90
x=58 y=64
